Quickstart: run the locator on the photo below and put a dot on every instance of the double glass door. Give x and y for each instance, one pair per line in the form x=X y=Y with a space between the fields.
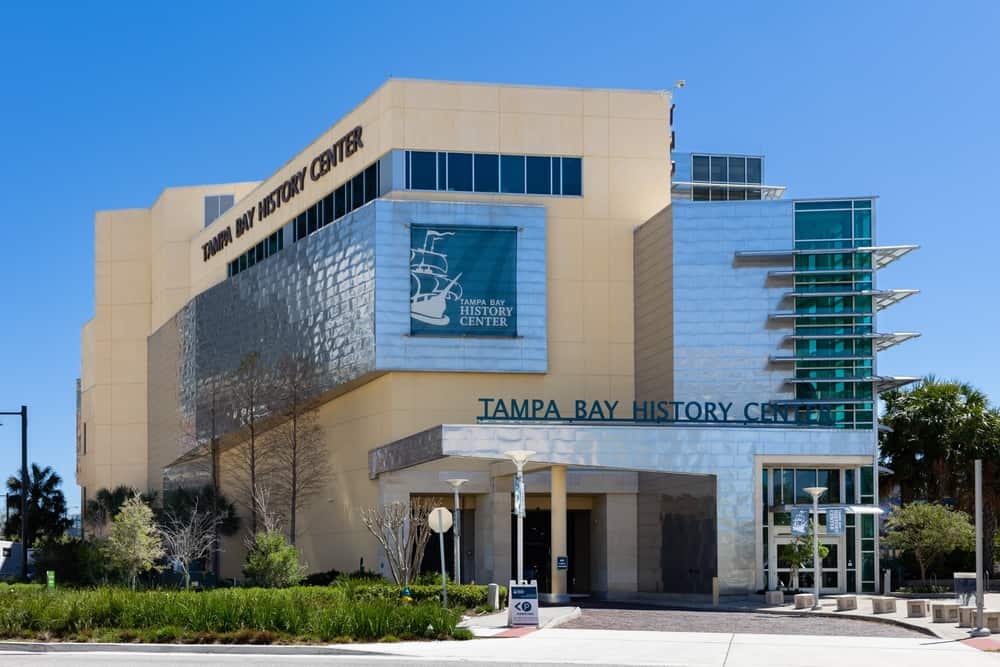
x=832 y=567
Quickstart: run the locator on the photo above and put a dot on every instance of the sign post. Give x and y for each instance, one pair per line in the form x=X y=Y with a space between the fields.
x=523 y=607
x=440 y=521
x=980 y=630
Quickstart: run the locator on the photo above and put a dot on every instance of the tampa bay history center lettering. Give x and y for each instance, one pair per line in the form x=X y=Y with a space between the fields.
x=320 y=166
x=656 y=412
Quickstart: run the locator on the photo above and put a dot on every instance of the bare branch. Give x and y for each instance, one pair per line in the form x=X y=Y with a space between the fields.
x=191 y=538
x=403 y=532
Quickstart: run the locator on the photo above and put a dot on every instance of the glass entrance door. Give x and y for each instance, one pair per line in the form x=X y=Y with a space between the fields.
x=833 y=580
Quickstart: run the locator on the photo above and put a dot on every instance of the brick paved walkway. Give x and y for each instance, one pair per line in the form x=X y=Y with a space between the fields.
x=623 y=616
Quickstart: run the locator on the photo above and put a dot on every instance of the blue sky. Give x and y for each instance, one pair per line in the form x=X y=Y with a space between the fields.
x=104 y=105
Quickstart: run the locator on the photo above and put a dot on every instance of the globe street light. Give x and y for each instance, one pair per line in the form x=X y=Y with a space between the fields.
x=519 y=457
x=816 y=492
x=455 y=483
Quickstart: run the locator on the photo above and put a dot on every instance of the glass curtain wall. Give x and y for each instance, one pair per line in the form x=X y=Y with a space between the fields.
x=834 y=309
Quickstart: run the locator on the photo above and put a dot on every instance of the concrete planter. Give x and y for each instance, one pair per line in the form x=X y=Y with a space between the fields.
x=917 y=608
x=944 y=612
x=883 y=605
x=846 y=602
x=805 y=601
x=774 y=598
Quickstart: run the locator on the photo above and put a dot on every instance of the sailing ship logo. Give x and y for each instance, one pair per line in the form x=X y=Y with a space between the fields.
x=430 y=286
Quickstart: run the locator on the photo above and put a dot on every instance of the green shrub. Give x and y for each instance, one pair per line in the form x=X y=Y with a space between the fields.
x=76 y=562
x=321 y=578
x=272 y=562
x=466 y=596
x=247 y=615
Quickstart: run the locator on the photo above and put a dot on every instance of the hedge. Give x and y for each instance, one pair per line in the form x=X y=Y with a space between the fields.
x=233 y=615
x=467 y=596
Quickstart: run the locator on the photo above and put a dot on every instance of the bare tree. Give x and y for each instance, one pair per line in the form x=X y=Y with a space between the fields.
x=300 y=456
x=190 y=538
x=402 y=530
x=270 y=520
x=252 y=392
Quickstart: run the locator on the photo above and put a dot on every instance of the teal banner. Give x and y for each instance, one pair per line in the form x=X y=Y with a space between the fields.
x=463 y=280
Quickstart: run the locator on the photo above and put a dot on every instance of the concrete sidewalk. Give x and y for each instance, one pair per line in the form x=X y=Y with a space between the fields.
x=559 y=646
x=495 y=625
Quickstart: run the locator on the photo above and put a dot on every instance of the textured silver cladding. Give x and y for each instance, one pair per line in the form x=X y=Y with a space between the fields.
x=324 y=298
x=723 y=339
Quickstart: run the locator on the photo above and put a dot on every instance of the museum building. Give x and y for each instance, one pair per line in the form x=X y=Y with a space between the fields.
x=474 y=269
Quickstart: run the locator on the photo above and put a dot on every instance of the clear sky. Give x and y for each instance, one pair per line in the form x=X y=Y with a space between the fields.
x=103 y=105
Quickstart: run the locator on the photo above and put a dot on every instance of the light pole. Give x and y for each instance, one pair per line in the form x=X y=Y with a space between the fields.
x=816 y=492
x=23 y=412
x=455 y=483
x=520 y=457
x=980 y=630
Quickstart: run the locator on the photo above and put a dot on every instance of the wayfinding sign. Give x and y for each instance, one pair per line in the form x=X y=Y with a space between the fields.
x=523 y=608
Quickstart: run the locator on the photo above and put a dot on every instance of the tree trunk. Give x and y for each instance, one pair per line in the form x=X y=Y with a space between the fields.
x=923 y=571
x=253 y=479
x=295 y=481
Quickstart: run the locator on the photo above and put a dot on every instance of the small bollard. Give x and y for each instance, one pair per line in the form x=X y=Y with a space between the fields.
x=493 y=596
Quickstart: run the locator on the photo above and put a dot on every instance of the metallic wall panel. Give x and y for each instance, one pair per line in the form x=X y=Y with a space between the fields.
x=722 y=339
x=315 y=298
x=340 y=297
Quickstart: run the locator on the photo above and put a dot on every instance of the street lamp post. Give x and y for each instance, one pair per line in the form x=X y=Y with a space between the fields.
x=816 y=492
x=520 y=457
x=23 y=413
x=455 y=483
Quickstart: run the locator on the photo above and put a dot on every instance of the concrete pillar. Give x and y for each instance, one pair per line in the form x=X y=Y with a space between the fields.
x=614 y=540
x=559 y=593
x=492 y=540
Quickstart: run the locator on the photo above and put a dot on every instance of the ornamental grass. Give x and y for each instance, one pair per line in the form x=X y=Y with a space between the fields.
x=248 y=615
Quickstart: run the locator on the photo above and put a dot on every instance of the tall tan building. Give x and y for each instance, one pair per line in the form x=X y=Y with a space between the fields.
x=468 y=269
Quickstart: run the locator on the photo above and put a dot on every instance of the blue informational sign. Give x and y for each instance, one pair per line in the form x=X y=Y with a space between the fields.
x=835 y=521
x=562 y=563
x=800 y=522
x=463 y=280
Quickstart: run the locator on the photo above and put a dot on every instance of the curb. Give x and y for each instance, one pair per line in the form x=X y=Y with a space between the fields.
x=192 y=649
x=565 y=618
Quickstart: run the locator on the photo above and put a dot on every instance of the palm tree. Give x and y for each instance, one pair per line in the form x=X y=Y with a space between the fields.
x=938 y=429
x=46 y=505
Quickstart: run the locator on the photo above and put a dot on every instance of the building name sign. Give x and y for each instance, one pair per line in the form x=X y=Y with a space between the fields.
x=463 y=280
x=653 y=412
x=322 y=164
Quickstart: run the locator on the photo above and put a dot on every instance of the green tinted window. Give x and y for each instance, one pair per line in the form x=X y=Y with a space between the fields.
x=823 y=225
x=820 y=205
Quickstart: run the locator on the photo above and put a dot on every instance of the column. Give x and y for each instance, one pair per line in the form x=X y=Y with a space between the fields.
x=558 y=533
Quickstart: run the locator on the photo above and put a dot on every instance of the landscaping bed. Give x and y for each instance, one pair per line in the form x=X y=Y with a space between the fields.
x=332 y=614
